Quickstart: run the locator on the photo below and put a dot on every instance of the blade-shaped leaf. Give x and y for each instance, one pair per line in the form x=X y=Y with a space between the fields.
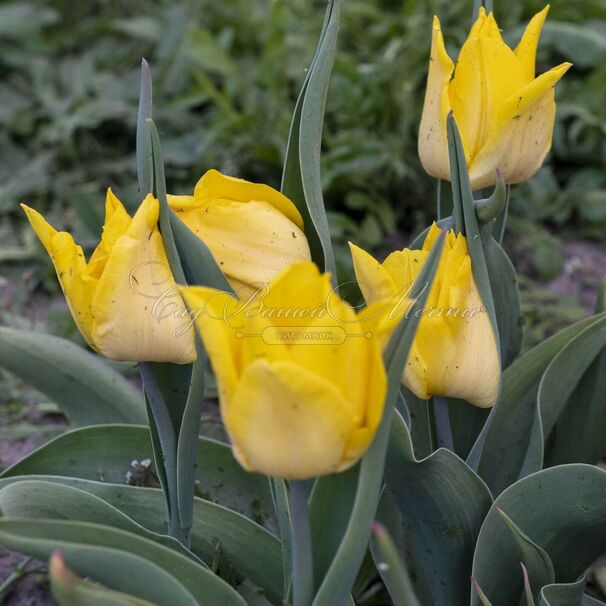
x=104 y=553
x=105 y=453
x=339 y=579
x=86 y=389
x=563 y=594
x=71 y=590
x=562 y=510
x=301 y=176
x=33 y=498
x=392 y=569
x=572 y=398
x=218 y=534
x=511 y=443
x=443 y=504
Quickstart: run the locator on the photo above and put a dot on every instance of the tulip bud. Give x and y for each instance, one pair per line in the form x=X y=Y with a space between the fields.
x=252 y=230
x=505 y=114
x=116 y=298
x=301 y=378
x=454 y=353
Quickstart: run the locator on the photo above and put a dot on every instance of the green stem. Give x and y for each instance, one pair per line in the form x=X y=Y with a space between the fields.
x=302 y=563
x=442 y=423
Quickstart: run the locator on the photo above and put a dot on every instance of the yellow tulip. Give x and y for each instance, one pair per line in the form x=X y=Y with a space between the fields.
x=116 y=298
x=252 y=230
x=301 y=377
x=504 y=113
x=454 y=353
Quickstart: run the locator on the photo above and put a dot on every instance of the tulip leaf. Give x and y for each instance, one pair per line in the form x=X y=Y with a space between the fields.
x=279 y=494
x=71 y=590
x=443 y=504
x=339 y=579
x=103 y=553
x=105 y=453
x=564 y=594
x=572 y=399
x=562 y=510
x=217 y=532
x=86 y=389
x=537 y=567
x=330 y=506
x=301 y=175
x=466 y=221
x=511 y=443
x=392 y=569
x=145 y=159
x=29 y=497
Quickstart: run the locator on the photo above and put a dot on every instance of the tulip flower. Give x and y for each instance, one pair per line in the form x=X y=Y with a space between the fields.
x=116 y=298
x=504 y=113
x=301 y=377
x=252 y=230
x=454 y=353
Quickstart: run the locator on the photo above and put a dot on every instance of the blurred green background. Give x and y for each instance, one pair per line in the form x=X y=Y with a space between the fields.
x=226 y=75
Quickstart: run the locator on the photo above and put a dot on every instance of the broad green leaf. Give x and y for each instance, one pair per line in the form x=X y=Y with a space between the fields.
x=511 y=443
x=105 y=452
x=565 y=370
x=561 y=510
x=217 y=532
x=71 y=590
x=579 y=435
x=103 y=553
x=572 y=399
x=506 y=295
x=301 y=176
x=443 y=504
x=563 y=594
x=340 y=577
x=86 y=389
x=392 y=569
x=33 y=498
x=537 y=567
x=330 y=507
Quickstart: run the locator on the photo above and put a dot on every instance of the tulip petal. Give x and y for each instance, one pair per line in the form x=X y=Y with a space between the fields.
x=251 y=241
x=215 y=313
x=215 y=185
x=522 y=134
x=386 y=290
x=374 y=280
x=526 y=51
x=466 y=363
x=287 y=422
x=432 y=144
x=139 y=314
x=70 y=265
x=487 y=71
x=117 y=222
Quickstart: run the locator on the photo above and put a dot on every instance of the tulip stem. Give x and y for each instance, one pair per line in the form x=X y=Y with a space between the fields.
x=442 y=423
x=302 y=563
